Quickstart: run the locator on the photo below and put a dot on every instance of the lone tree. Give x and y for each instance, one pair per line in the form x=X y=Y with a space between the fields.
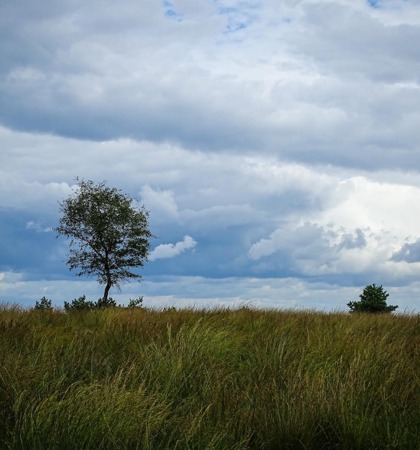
x=372 y=300
x=108 y=235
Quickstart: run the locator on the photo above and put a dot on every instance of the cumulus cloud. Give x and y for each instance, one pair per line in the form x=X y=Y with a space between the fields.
x=164 y=251
x=359 y=229
x=161 y=203
x=356 y=240
x=409 y=252
x=329 y=253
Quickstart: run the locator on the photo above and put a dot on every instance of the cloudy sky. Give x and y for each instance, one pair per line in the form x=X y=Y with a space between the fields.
x=275 y=143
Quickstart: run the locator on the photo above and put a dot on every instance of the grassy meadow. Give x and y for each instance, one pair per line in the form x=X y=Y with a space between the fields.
x=208 y=379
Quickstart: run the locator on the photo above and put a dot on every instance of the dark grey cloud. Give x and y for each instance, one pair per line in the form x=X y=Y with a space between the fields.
x=357 y=240
x=408 y=252
x=356 y=44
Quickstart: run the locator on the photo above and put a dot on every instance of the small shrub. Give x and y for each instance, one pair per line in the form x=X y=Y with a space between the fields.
x=79 y=304
x=135 y=302
x=372 y=300
x=43 y=305
x=109 y=303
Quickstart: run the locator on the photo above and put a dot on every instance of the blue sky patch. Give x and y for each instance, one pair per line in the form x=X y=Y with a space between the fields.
x=239 y=17
x=170 y=11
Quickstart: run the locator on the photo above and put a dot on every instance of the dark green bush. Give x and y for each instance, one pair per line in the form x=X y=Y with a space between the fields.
x=81 y=304
x=109 y=303
x=135 y=302
x=43 y=305
x=372 y=300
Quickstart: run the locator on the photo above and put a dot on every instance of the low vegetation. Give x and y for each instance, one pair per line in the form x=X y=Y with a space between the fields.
x=137 y=378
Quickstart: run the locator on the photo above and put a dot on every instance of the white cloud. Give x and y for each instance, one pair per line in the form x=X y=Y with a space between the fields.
x=22 y=194
x=361 y=202
x=38 y=227
x=361 y=228
x=161 y=203
x=164 y=251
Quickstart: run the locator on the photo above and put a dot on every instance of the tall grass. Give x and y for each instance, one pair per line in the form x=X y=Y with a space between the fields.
x=211 y=379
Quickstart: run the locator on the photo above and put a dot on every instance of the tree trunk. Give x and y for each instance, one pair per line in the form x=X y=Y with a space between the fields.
x=108 y=279
x=106 y=291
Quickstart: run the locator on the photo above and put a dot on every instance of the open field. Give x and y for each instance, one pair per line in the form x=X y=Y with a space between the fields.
x=214 y=379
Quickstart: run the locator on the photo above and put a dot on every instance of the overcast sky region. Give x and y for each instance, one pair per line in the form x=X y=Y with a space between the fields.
x=275 y=143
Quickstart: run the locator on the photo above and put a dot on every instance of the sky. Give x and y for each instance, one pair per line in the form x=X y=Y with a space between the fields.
x=276 y=145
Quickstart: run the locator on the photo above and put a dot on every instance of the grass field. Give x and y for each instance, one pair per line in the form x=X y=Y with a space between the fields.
x=208 y=379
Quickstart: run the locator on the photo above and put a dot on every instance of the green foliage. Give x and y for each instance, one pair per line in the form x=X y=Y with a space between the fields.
x=372 y=300
x=115 y=378
x=43 y=305
x=108 y=235
x=81 y=304
x=109 y=303
x=135 y=302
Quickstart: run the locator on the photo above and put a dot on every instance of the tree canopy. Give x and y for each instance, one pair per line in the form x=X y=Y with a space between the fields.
x=372 y=300
x=108 y=235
